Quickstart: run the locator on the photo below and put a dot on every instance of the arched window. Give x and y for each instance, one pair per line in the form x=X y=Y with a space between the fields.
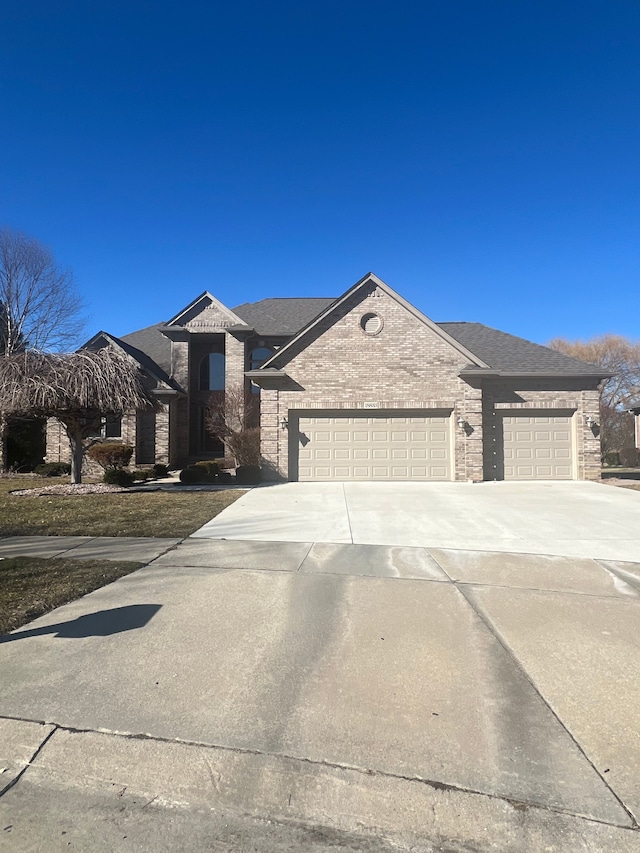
x=258 y=355
x=212 y=372
x=256 y=358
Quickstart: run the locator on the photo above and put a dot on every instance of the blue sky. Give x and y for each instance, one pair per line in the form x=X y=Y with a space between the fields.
x=482 y=158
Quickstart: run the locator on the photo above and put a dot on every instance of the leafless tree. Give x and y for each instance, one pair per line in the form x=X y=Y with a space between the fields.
x=39 y=305
x=76 y=388
x=232 y=417
x=622 y=357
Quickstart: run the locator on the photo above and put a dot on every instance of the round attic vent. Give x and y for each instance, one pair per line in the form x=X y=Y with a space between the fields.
x=371 y=324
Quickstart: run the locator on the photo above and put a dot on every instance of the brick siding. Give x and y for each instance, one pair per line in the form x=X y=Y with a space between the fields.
x=405 y=366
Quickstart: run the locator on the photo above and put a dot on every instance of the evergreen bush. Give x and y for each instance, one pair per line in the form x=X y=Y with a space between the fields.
x=53 y=469
x=118 y=477
x=110 y=454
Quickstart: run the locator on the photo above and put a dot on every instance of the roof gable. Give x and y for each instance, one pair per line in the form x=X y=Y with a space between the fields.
x=369 y=283
x=144 y=361
x=205 y=314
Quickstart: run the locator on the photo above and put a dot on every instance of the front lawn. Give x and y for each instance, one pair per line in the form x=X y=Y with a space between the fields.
x=175 y=514
x=32 y=586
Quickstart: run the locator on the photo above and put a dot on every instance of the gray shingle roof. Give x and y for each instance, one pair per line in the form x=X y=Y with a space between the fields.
x=152 y=342
x=281 y=316
x=286 y=316
x=511 y=354
x=147 y=362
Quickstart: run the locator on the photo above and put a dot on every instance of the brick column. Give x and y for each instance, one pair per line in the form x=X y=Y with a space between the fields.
x=234 y=365
x=271 y=434
x=473 y=444
x=162 y=435
x=588 y=449
x=57 y=443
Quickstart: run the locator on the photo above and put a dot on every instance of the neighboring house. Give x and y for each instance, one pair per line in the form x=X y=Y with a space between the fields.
x=634 y=409
x=363 y=387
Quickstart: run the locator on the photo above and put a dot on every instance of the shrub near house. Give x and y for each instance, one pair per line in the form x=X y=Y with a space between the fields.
x=113 y=458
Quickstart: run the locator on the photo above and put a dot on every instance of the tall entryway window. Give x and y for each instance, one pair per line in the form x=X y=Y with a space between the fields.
x=212 y=372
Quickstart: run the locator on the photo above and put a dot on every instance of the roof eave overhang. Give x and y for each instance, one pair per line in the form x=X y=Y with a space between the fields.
x=168 y=392
x=175 y=333
x=533 y=374
x=260 y=372
x=269 y=378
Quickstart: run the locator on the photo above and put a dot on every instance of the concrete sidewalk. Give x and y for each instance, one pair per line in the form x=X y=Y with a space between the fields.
x=572 y=519
x=433 y=698
x=136 y=549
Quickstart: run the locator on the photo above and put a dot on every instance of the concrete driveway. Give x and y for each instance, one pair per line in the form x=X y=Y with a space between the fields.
x=566 y=519
x=445 y=700
x=438 y=693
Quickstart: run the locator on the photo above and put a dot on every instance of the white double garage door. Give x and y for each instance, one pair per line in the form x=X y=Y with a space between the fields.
x=418 y=445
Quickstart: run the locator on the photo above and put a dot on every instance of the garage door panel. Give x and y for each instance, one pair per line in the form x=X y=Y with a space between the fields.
x=381 y=453
x=344 y=446
x=537 y=447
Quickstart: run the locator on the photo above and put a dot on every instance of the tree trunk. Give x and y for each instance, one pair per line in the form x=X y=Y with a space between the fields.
x=75 y=434
x=4 y=429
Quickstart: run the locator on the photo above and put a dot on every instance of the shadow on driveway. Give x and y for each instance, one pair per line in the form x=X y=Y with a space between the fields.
x=100 y=624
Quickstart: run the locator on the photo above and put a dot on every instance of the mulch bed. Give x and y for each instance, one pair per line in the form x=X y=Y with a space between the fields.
x=67 y=489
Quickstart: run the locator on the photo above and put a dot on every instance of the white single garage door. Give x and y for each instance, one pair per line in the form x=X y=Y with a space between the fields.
x=538 y=447
x=387 y=445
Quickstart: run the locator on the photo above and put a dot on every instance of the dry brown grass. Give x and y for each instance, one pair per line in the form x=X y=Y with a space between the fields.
x=31 y=586
x=121 y=514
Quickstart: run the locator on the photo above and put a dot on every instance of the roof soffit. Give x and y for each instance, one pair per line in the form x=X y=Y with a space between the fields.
x=205 y=314
x=371 y=282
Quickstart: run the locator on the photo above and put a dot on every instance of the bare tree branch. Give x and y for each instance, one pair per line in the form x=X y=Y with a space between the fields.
x=232 y=416
x=622 y=357
x=39 y=305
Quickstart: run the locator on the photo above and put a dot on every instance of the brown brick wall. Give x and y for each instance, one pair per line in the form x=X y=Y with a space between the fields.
x=406 y=365
x=58 y=450
x=235 y=362
x=571 y=397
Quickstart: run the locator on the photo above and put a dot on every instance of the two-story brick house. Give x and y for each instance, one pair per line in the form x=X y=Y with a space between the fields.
x=363 y=387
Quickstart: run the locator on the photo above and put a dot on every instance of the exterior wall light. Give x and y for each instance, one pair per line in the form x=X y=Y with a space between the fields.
x=461 y=422
x=590 y=422
x=284 y=423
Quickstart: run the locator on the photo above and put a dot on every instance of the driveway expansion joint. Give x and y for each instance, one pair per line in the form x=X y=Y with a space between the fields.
x=28 y=764
x=516 y=662
x=516 y=804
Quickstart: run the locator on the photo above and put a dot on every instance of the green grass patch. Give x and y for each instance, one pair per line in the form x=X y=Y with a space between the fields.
x=32 y=586
x=118 y=514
